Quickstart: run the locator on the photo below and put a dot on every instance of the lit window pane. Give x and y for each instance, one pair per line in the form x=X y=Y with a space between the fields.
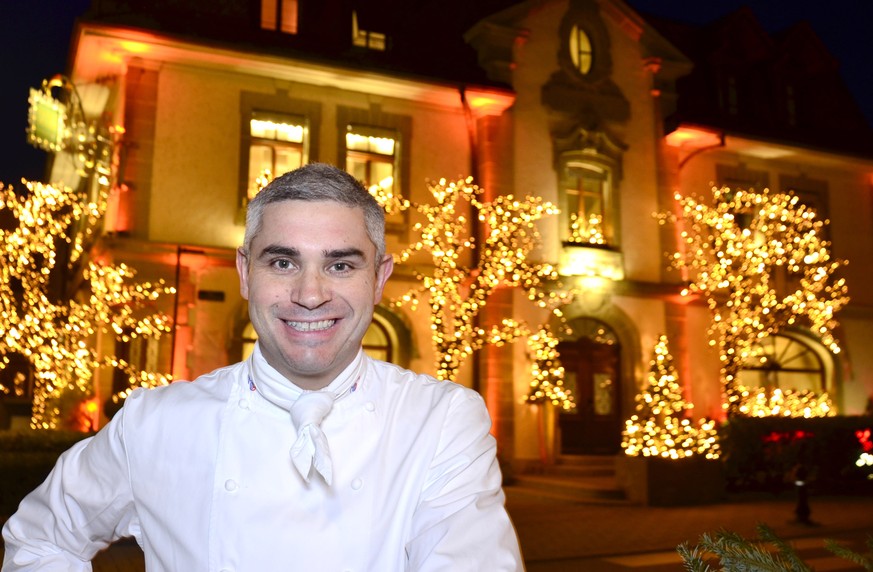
x=268 y=14
x=580 y=50
x=357 y=142
x=382 y=174
x=287 y=159
x=280 y=131
x=289 y=16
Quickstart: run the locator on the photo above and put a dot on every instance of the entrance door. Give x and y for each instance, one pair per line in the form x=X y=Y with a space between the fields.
x=591 y=371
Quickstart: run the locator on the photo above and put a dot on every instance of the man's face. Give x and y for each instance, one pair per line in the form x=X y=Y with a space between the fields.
x=311 y=282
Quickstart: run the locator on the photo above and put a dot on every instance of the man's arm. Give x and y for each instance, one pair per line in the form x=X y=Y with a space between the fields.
x=83 y=505
x=461 y=523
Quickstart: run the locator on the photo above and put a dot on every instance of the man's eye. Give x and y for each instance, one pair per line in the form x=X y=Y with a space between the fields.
x=282 y=264
x=341 y=266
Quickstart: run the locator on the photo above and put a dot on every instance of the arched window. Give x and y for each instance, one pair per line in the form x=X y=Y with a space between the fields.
x=581 y=52
x=377 y=342
x=783 y=362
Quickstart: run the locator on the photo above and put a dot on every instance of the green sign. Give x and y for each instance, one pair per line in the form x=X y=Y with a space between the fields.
x=47 y=121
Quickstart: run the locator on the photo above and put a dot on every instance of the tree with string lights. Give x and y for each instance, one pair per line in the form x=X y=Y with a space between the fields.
x=761 y=262
x=456 y=292
x=55 y=326
x=661 y=425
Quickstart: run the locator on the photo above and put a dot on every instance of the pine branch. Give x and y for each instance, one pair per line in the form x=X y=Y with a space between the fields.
x=863 y=560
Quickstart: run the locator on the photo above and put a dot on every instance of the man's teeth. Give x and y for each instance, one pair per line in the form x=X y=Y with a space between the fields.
x=311 y=326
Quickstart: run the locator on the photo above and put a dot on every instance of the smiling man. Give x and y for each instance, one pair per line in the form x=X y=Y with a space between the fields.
x=307 y=456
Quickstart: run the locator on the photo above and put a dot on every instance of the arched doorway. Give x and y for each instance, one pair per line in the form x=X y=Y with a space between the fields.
x=592 y=371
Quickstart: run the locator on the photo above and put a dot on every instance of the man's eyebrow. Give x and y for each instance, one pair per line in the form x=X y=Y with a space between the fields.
x=344 y=253
x=279 y=250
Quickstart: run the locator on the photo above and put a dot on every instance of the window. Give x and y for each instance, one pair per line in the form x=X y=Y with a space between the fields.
x=377 y=342
x=371 y=157
x=374 y=149
x=586 y=194
x=740 y=177
x=141 y=354
x=279 y=15
x=277 y=145
x=783 y=362
x=249 y=337
x=581 y=52
x=363 y=39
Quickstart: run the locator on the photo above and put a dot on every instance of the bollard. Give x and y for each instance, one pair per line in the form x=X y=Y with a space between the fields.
x=802 y=510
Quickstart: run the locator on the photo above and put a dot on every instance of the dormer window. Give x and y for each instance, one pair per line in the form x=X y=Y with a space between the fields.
x=581 y=52
x=279 y=16
x=364 y=39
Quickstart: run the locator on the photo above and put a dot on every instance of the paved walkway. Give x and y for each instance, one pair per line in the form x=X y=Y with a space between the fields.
x=558 y=535
x=561 y=535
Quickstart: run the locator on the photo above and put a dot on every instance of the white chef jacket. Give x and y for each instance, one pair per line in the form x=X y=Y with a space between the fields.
x=201 y=476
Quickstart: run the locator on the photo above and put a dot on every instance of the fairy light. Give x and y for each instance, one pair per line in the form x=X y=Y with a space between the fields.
x=762 y=264
x=586 y=232
x=58 y=337
x=661 y=426
x=762 y=402
x=455 y=294
x=547 y=373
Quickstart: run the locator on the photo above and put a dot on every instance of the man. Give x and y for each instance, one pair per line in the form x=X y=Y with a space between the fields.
x=308 y=456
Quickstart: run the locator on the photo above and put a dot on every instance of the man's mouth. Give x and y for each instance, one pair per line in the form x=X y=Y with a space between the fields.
x=311 y=326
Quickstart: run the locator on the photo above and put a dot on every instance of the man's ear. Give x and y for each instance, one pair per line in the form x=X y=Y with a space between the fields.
x=242 y=268
x=383 y=272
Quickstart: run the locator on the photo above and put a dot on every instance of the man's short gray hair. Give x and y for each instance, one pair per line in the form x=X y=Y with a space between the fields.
x=318 y=182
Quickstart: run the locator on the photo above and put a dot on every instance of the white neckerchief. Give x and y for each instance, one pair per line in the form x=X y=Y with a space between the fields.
x=307 y=409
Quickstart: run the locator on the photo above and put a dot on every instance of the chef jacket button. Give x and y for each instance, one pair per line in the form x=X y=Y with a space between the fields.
x=230 y=485
x=370 y=406
x=357 y=484
x=244 y=403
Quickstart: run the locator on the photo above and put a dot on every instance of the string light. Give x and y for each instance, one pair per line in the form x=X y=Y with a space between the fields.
x=763 y=402
x=586 y=232
x=762 y=264
x=456 y=294
x=55 y=335
x=547 y=373
x=661 y=426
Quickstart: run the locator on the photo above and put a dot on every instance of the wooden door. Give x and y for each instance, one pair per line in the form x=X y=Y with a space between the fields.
x=592 y=373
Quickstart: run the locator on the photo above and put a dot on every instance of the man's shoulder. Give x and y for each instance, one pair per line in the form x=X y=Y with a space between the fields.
x=418 y=386
x=212 y=388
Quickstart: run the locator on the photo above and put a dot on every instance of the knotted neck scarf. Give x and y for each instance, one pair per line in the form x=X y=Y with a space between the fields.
x=307 y=409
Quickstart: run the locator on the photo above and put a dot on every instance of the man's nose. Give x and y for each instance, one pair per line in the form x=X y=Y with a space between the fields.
x=310 y=289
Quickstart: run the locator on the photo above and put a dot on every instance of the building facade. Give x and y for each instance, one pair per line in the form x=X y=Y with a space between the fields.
x=586 y=103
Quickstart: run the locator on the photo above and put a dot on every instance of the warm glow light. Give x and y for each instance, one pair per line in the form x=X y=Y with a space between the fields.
x=692 y=137
x=56 y=335
x=759 y=260
x=547 y=373
x=661 y=426
x=455 y=294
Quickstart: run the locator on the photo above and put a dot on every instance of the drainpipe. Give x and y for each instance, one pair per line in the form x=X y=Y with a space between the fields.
x=472 y=137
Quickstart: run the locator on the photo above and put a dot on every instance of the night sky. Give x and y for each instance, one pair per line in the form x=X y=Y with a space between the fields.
x=35 y=37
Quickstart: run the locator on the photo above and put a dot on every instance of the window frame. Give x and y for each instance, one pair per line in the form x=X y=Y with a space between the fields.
x=375 y=121
x=285 y=16
x=279 y=104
